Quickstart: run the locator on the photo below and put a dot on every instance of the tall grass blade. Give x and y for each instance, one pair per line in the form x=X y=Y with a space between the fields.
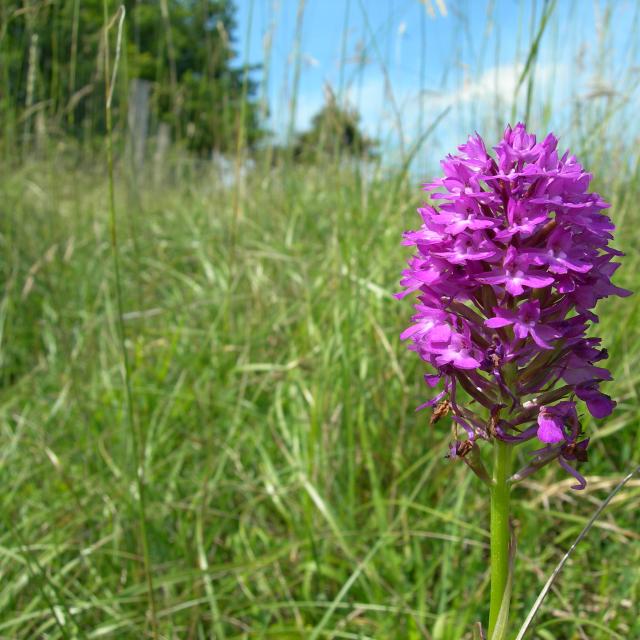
x=345 y=589
x=136 y=436
x=527 y=71
x=545 y=590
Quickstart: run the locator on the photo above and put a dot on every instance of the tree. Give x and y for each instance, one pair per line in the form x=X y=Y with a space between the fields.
x=198 y=90
x=335 y=130
x=53 y=57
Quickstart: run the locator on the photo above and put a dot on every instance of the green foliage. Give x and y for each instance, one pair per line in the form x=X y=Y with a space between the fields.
x=53 y=61
x=292 y=488
x=335 y=130
x=293 y=491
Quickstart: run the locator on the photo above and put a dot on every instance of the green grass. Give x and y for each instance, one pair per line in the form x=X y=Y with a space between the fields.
x=292 y=491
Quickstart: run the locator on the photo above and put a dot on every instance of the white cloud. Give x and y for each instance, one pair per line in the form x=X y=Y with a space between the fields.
x=499 y=84
x=473 y=102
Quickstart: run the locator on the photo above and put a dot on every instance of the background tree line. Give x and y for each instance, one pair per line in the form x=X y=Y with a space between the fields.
x=53 y=72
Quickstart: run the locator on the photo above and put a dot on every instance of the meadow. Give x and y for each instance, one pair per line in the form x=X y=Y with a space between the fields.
x=290 y=488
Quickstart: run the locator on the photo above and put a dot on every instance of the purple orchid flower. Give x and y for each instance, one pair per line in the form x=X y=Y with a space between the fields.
x=526 y=322
x=552 y=420
x=511 y=259
x=516 y=273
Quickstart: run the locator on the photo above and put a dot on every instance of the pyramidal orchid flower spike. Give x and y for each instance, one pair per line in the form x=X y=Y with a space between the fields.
x=511 y=258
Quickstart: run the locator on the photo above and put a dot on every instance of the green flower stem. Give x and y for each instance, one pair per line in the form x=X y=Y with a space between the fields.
x=500 y=534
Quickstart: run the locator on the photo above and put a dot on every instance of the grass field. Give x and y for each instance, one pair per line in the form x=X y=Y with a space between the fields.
x=291 y=489
x=249 y=454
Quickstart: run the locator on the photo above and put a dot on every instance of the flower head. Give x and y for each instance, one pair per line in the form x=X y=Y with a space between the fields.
x=511 y=258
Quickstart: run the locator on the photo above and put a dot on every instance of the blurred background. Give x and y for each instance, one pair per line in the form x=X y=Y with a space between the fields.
x=395 y=79
x=206 y=416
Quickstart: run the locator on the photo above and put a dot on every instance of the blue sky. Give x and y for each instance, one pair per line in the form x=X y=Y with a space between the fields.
x=403 y=63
